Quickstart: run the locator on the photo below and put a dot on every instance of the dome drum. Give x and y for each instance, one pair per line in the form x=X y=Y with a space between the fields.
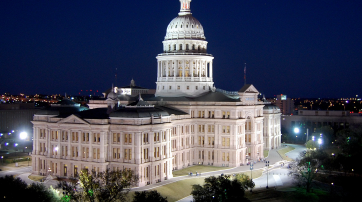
x=185 y=46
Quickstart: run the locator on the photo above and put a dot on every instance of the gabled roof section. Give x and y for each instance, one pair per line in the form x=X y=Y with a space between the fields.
x=73 y=119
x=248 y=88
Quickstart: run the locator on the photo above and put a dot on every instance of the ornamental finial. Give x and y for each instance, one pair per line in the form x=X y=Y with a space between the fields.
x=185 y=7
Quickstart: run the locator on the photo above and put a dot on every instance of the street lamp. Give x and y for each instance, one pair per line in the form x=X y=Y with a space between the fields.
x=251 y=171
x=319 y=142
x=23 y=135
x=267 y=174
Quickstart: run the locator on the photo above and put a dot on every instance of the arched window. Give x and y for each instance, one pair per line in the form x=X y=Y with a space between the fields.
x=169 y=47
x=187 y=46
x=174 y=47
x=175 y=26
x=181 y=26
x=193 y=46
x=198 y=48
x=180 y=47
x=187 y=26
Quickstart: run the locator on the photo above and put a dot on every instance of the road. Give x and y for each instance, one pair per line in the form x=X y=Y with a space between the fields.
x=16 y=171
x=276 y=177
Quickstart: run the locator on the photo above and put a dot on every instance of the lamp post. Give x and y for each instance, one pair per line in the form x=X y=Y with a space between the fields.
x=251 y=172
x=296 y=131
x=267 y=174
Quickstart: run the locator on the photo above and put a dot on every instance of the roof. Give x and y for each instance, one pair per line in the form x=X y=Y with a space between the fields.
x=270 y=106
x=206 y=97
x=62 y=111
x=245 y=87
x=138 y=112
x=134 y=87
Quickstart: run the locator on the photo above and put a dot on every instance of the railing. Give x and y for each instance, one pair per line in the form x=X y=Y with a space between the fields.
x=206 y=54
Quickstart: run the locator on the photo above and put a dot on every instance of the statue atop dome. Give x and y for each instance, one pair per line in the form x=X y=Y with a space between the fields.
x=185 y=7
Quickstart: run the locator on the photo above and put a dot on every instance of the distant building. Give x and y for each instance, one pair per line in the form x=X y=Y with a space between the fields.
x=285 y=104
x=314 y=119
x=17 y=116
x=132 y=89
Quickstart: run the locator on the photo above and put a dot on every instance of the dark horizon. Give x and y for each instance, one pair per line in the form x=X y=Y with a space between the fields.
x=301 y=49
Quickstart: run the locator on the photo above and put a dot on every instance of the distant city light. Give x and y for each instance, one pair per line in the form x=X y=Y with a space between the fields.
x=16 y=144
x=296 y=130
x=6 y=143
x=319 y=141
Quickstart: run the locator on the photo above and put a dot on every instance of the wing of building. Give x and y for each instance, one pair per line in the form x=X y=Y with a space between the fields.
x=186 y=122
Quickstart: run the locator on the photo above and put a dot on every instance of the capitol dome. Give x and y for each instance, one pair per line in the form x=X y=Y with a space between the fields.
x=185 y=27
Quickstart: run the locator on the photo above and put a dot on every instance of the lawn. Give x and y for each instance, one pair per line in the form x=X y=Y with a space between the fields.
x=198 y=168
x=285 y=150
x=180 y=189
x=266 y=153
x=256 y=173
x=36 y=178
x=10 y=166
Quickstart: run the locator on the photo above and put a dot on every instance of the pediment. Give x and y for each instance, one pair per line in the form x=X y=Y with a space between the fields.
x=249 y=88
x=72 y=119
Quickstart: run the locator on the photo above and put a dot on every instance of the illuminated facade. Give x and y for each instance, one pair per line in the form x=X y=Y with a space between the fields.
x=183 y=124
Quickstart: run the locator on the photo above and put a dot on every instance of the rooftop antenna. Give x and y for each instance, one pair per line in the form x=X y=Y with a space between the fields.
x=245 y=74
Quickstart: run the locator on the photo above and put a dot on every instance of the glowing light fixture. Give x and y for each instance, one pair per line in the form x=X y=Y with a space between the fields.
x=23 y=135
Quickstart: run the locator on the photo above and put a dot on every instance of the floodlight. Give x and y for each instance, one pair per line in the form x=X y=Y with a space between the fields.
x=23 y=135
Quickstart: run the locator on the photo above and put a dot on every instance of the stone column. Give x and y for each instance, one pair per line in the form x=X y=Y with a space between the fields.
x=211 y=66
x=102 y=145
x=137 y=147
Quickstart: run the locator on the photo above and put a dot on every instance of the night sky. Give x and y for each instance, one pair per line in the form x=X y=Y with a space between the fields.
x=309 y=48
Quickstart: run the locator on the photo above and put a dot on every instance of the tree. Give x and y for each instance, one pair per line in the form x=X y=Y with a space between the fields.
x=311 y=144
x=246 y=182
x=304 y=170
x=14 y=189
x=105 y=186
x=149 y=196
x=219 y=188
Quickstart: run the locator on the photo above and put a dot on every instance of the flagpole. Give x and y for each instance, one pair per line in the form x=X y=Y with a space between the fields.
x=245 y=74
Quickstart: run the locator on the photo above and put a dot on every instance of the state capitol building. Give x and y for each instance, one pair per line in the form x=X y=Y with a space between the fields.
x=186 y=122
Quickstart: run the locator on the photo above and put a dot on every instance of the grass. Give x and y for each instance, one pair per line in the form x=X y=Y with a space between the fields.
x=266 y=153
x=11 y=166
x=180 y=189
x=198 y=168
x=256 y=173
x=285 y=150
x=36 y=178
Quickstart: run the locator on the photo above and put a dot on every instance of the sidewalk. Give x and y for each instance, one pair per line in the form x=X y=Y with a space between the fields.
x=274 y=158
